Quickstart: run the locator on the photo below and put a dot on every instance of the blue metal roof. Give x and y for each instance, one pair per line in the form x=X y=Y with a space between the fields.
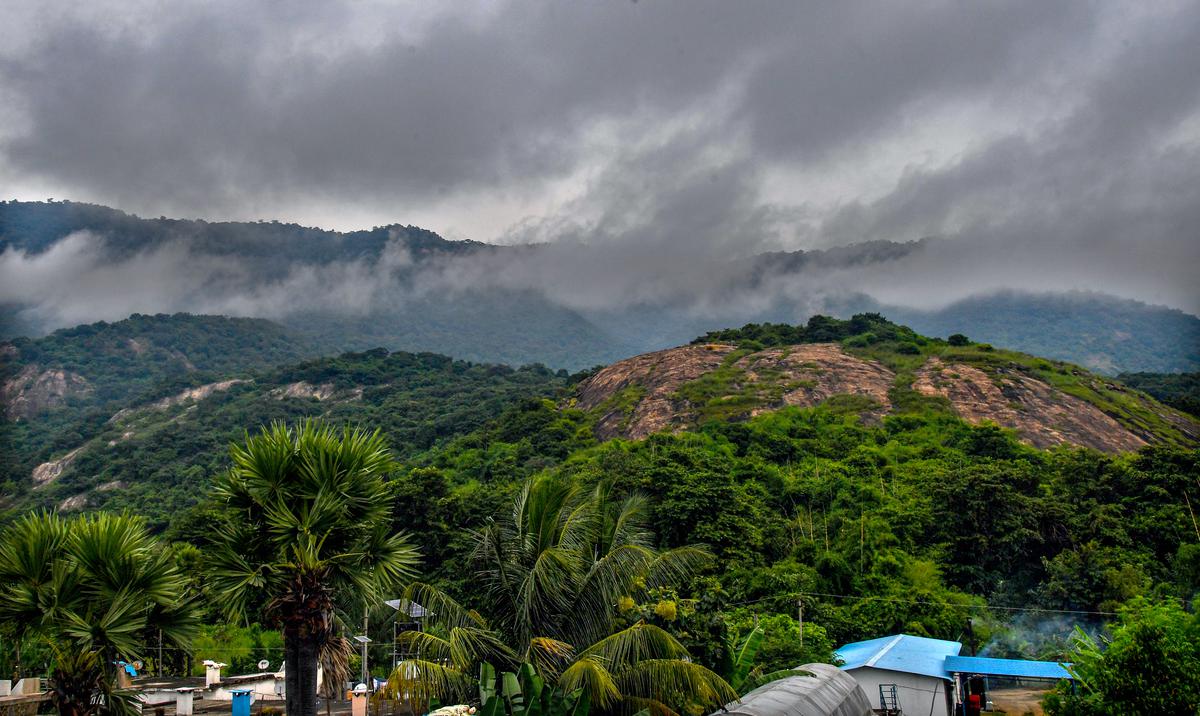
x=902 y=652
x=1006 y=667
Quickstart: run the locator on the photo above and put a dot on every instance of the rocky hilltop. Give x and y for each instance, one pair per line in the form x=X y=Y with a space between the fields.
x=681 y=387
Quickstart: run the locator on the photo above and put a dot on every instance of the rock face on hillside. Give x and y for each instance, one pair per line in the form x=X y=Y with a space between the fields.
x=802 y=375
x=34 y=390
x=655 y=376
x=1043 y=416
x=677 y=388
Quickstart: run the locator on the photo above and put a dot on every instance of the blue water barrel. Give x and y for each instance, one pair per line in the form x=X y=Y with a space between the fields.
x=241 y=702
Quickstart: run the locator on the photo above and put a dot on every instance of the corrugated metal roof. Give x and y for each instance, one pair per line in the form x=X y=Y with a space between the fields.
x=902 y=652
x=828 y=692
x=1006 y=667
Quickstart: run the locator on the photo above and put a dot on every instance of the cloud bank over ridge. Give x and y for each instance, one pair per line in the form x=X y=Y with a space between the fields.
x=651 y=145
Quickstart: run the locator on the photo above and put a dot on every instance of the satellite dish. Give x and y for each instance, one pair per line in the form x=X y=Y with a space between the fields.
x=264 y=664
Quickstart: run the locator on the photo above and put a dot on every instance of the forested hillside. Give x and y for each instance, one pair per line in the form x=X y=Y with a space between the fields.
x=1179 y=390
x=878 y=514
x=1102 y=333
x=912 y=524
x=157 y=456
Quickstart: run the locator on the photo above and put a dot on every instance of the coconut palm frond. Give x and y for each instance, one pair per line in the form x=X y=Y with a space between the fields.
x=637 y=706
x=669 y=680
x=550 y=656
x=334 y=657
x=626 y=525
x=544 y=511
x=546 y=591
x=636 y=643
x=676 y=566
x=580 y=524
x=442 y=608
x=420 y=681
x=471 y=645
x=432 y=646
x=590 y=674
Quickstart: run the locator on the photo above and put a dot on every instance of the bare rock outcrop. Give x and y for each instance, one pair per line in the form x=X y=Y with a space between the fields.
x=34 y=390
x=200 y=392
x=642 y=395
x=1042 y=415
x=74 y=502
x=819 y=371
x=655 y=377
x=304 y=389
x=48 y=472
x=677 y=388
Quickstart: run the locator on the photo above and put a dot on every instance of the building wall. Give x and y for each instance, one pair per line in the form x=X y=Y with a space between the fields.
x=918 y=695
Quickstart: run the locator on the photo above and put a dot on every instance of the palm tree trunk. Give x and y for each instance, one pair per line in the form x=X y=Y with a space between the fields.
x=300 y=677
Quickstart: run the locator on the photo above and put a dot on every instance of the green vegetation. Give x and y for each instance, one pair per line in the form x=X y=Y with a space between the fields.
x=96 y=589
x=162 y=458
x=130 y=362
x=556 y=585
x=873 y=337
x=525 y=693
x=241 y=647
x=1178 y=390
x=146 y=357
x=311 y=533
x=1106 y=334
x=915 y=522
x=721 y=394
x=920 y=508
x=1150 y=665
x=868 y=328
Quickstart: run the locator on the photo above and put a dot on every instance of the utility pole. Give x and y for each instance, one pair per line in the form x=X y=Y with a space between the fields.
x=800 y=613
x=367 y=640
x=160 y=653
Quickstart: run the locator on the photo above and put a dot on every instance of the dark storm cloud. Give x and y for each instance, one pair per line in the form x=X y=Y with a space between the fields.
x=210 y=103
x=1057 y=144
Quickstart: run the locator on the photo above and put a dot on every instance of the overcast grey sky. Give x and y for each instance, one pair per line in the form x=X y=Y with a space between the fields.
x=1057 y=143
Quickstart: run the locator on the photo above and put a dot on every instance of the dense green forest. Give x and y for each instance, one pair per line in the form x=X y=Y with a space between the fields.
x=912 y=525
x=151 y=452
x=157 y=459
x=913 y=522
x=1102 y=333
x=110 y=366
x=145 y=356
x=1179 y=390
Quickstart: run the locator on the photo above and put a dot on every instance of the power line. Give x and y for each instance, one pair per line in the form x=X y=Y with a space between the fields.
x=922 y=602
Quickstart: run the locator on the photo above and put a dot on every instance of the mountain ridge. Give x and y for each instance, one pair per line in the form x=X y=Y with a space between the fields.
x=160 y=441
x=406 y=288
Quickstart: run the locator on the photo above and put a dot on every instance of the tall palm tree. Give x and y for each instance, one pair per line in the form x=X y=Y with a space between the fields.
x=551 y=579
x=95 y=587
x=307 y=529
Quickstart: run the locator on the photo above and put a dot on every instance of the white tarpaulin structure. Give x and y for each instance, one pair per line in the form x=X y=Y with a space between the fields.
x=825 y=691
